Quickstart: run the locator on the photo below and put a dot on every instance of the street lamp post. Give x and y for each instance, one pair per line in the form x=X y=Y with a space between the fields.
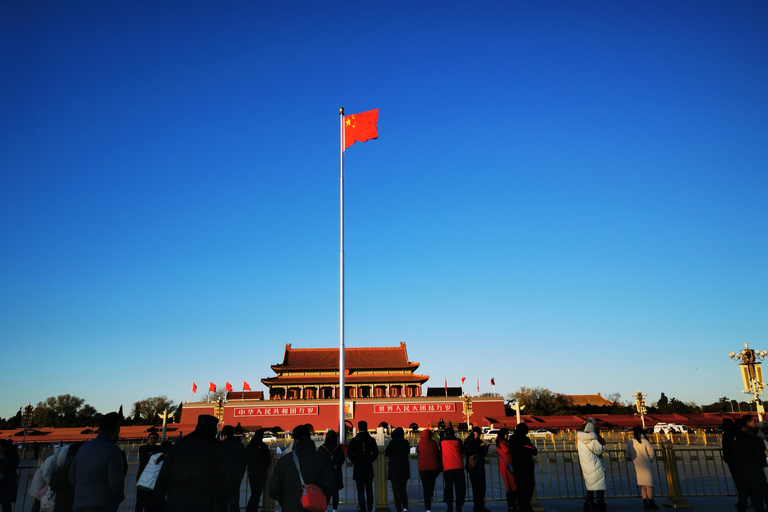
x=640 y=405
x=752 y=374
x=26 y=420
x=515 y=404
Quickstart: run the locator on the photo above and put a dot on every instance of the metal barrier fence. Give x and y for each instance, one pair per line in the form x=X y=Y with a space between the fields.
x=700 y=472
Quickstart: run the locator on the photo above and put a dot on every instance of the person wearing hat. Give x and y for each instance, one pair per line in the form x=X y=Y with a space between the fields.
x=285 y=484
x=522 y=451
x=452 y=454
x=476 y=449
x=194 y=475
x=591 y=448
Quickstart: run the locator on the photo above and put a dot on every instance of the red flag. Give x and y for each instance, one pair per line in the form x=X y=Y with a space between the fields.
x=211 y=387
x=446 y=386
x=493 y=382
x=194 y=387
x=462 y=380
x=246 y=387
x=478 y=384
x=360 y=127
x=228 y=387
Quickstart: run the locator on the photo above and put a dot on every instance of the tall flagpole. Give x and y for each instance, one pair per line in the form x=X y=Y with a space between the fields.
x=342 y=429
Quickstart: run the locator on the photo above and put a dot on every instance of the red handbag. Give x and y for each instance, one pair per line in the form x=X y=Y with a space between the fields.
x=312 y=496
x=313 y=499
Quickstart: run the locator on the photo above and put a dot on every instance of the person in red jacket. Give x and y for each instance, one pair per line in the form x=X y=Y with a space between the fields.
x=453 y=470
x=505 y=460
x=430 y=465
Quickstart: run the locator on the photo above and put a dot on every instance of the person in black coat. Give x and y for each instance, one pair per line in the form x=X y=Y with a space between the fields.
x=399 y=468
x=285 y=484
x=476 y=449
x=257 y=456
x=234 y=453
x=521 y=450
x=335 y=453
x=9 y=461
x=362 y=452
x=749 y=457
x=194 y=475
x=146 y=451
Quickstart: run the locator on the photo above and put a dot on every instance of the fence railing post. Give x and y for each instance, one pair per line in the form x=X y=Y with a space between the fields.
x=675 y=498
x=380 y=488
x=535 y=503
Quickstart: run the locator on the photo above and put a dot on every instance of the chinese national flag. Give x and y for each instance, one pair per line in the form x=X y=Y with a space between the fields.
x=228 y=387
x=211 y=387
x=462 y=380
x=493 y=381
x=246 y=387
x=194 y=387
x=360 y=127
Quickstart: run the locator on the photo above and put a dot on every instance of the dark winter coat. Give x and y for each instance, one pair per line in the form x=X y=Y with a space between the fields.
x=474 y=446
x=397 y=452
x=257 y=456
x=285 y=485
x=429 y=453
x=194 y=475
x=8 y=484
x=362 y=452
x=234 y=453
x=98 y=474
x=748 y=453
x=522 y=450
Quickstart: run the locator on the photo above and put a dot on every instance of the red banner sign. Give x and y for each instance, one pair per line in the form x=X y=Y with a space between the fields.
x=444 y=407
x=277 y=411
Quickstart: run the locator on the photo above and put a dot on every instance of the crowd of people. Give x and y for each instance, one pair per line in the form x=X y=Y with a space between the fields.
x=204 y=470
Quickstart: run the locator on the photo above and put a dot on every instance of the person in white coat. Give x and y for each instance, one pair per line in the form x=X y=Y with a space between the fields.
x=640 y=452
x=591 y=447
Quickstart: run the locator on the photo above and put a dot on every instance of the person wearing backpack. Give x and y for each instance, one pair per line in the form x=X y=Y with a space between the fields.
x=335 y=453
x=62 y=488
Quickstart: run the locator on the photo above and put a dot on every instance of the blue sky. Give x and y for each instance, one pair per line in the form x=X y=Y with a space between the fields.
x=570 y=195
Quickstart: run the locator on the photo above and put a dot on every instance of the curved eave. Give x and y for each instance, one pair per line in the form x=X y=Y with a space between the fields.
x=349 y=379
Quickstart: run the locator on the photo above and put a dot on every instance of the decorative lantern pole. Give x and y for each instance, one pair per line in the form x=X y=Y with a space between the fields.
x=752 y=374
x=640 y=405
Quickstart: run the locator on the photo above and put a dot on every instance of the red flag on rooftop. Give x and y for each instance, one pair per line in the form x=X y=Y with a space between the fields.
x=246 y=387
x=194 y=387
x=446 y=385
x=360 y=127
x=211 y=387
x=228 y=387
x=478 y=384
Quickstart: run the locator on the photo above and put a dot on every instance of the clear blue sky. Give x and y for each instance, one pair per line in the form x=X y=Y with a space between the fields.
x=570 y=195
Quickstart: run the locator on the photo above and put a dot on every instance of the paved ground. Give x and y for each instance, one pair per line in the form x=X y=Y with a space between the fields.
x=709 y=504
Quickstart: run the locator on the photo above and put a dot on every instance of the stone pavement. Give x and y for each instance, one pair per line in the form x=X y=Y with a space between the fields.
x=701 y=504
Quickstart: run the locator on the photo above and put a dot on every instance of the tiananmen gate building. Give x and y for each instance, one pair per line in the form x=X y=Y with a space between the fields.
x=381 y=386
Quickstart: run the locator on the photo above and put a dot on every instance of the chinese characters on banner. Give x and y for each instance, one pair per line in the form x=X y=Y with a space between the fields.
x=276 y=411
x=445 y=407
